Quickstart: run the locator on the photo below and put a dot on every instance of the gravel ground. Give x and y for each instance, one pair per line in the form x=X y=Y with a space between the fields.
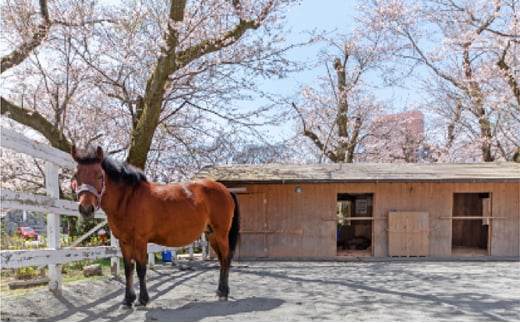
x=395 y=290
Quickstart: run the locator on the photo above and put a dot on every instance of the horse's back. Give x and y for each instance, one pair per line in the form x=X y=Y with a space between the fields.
x=212 y=188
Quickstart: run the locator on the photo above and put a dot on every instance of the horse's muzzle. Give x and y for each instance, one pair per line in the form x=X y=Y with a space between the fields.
x=87 y=212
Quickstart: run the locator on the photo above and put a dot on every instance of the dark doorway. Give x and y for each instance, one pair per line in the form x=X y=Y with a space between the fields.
x=354 y=229
x=470 y=227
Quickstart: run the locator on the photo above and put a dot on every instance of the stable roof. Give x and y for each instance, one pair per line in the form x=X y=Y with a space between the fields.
x=383 y=172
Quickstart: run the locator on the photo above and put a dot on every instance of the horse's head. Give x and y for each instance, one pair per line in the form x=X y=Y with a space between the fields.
x=89 y=183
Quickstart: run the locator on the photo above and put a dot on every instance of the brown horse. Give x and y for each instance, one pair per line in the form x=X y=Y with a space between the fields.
x=139 y=212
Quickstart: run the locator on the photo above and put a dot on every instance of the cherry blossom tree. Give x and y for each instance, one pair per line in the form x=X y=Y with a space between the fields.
x=336 y=115
x=465 y=54
x=142 y=78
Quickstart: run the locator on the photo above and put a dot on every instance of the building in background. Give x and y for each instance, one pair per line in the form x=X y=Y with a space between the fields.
x=375 y=210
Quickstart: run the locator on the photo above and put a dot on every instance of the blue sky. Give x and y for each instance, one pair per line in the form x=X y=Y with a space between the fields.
x=330 y=16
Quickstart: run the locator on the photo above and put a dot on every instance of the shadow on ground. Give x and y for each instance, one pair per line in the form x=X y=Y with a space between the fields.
x=197 y=311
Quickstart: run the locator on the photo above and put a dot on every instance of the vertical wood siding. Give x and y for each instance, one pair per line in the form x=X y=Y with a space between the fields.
x=303 y=225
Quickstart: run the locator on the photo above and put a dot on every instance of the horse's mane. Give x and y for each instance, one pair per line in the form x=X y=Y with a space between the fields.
x=122 y=172
x=117 y=171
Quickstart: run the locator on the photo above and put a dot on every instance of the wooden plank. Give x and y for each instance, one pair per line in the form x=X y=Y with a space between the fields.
x=40 y=203
x=359 y=218
x=252 y=212
x=397 y=244
x=28 y=283
x=22 y=144
x=298 y=231
x=505 y=234
x=39 y=257
x=53 y=225
x=418 y=234
x=486 y=212
x=408 y=234
x=86 y=234
x=472 y=217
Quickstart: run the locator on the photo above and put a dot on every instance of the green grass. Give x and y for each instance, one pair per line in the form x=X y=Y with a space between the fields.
x=71 y=272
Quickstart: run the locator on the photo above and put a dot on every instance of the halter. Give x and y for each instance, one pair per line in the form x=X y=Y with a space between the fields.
x=91 y=189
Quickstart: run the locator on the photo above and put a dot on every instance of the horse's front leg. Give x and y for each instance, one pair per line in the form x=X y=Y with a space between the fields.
x=143 y=292
x=129 y=287
x=140 y=264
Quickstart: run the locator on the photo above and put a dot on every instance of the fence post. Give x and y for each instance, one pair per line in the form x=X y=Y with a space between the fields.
x=53 y=226
x=151 y=259
x=204 y=244
x=114 y=261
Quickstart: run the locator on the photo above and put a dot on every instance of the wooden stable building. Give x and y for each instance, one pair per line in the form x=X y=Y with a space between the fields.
x=375 y=210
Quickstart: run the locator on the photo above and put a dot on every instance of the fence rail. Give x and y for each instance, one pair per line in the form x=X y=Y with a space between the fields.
x=40 y=203
x=54 y=207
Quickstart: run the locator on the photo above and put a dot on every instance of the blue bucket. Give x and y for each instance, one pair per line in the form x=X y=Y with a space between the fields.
x=167 y=256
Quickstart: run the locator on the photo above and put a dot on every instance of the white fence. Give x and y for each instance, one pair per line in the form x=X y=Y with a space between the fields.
x=54 y=207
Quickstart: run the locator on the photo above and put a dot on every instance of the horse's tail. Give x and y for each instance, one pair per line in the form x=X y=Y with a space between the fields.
x=234 y=232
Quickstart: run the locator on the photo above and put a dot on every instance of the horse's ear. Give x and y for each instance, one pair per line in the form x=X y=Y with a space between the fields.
x=99 y=154
x=73 y=152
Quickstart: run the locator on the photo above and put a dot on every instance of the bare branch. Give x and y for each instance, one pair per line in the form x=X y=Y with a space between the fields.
x=22 y=52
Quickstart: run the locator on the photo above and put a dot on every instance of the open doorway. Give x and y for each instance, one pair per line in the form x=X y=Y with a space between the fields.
x=354 y=229
x=470 y=227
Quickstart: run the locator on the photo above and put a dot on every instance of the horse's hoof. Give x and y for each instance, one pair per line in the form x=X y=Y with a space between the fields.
x=221 y=298
x=140 y=306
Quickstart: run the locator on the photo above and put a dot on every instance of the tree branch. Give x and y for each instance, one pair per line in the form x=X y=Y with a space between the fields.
x=36 y=121
x=315 y=139
x=212 y=45
x=508 y=74
x=22 y=52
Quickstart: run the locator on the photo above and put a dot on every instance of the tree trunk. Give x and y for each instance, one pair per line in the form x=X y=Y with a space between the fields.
x=155 y=88
x=170 y=61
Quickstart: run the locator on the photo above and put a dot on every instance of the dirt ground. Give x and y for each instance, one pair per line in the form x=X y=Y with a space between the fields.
x=293 y=291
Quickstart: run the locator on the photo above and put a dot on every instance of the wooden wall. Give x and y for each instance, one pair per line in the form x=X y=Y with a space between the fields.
x=280 y=221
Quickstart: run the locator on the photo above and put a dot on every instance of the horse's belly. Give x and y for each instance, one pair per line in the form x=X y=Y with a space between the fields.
x=178 y=238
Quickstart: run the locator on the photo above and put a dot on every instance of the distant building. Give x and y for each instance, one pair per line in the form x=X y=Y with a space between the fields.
x=12 y=219
x=396 y=137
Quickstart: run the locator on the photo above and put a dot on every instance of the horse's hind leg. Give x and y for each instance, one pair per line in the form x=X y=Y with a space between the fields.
x=224 y=257
x=223 y=286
